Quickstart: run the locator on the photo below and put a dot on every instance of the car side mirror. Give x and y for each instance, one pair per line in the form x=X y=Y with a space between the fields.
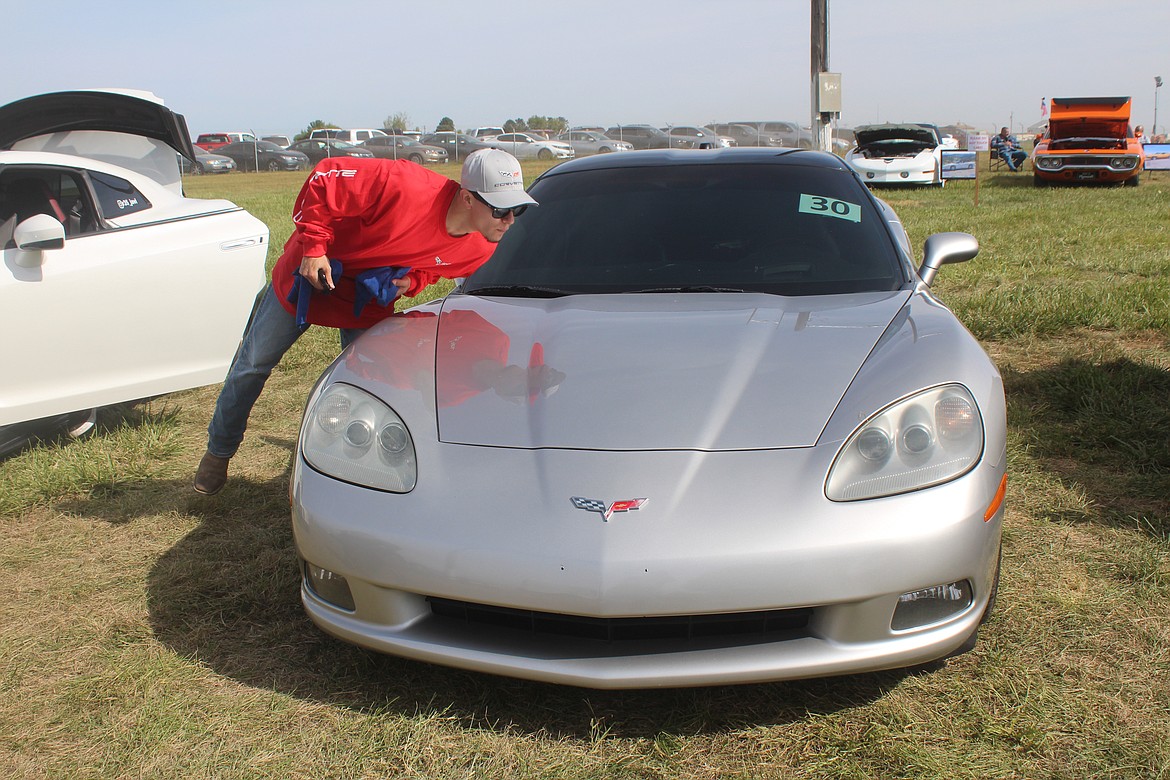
x=34 y=235
x=943 y=248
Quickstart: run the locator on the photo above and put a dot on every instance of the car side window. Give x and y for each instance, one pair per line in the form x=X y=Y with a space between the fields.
x=58 y=193
x=116 y=196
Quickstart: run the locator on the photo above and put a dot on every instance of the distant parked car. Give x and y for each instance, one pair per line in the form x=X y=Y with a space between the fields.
x=1089 y=140
x=279 y=140
x=640 y=136
x=114 y=286
x=458 y=145
x=404 y=147
x=890 y=154
x=351 y=136
x=691 y=137
x=317 y=149
x=212 y=141
x=206 y=162
x=788 y=133
x=745 y=135
x=523 y=146
x=264 y=155
x=484 y=132
x=585 y=142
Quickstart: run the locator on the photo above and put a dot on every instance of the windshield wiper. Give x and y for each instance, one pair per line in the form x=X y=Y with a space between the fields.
x=695 y=288
x=519 y=291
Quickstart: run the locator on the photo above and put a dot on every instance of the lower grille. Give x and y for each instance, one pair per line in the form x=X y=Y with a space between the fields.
x=764 y=625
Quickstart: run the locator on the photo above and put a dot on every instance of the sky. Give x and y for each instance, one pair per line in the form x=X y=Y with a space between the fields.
x=275 y=67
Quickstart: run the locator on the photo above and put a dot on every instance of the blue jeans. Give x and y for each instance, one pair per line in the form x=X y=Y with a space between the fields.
x=1013 y=157
x=270 y=333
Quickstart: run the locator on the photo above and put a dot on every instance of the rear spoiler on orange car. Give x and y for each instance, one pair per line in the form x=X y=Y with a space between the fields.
x=1113 y=108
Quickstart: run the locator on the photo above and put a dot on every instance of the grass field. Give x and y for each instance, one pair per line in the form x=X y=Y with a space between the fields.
x=153 y=633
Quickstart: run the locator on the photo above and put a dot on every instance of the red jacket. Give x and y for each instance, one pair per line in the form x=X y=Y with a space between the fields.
x=369 y=213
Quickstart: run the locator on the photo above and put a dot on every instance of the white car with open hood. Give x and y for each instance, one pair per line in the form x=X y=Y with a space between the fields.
x=115 y=286
x=894 y=154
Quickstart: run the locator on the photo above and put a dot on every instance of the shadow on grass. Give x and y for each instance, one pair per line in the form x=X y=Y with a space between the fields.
x=1102 y=426
x=228 y=596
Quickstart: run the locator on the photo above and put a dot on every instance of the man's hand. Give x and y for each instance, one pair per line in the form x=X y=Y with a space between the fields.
x=312 y=267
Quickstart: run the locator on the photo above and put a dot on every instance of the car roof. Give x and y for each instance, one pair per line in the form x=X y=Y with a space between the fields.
x=743 y=155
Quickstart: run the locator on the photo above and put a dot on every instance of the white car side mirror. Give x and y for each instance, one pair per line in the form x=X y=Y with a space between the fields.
x=34 y=235
x=943 y=248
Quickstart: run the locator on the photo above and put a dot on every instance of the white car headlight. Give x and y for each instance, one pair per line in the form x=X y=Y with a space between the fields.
x=927 y=439
x=351 y=435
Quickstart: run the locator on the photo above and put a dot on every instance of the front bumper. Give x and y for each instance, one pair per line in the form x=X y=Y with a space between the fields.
x=715 y=540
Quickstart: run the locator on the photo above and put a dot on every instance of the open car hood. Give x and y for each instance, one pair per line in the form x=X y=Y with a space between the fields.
x=873 y=134
x=115 y=112
x=135 y=131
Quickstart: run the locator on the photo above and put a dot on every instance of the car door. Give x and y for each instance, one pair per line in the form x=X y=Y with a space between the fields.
x=121 y=313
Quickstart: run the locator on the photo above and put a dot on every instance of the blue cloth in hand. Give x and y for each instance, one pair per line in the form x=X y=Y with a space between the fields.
x=302 y=292
x=377 y=284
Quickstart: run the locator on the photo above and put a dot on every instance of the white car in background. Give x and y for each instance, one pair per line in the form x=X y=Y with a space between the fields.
x=897 y=154
x=115 y=286
x=523 y=146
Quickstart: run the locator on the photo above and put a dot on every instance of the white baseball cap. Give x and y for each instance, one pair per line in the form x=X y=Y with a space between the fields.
x=496 y=176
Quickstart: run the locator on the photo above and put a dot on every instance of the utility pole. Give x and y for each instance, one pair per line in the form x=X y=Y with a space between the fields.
x=1157 y=86
x=825 y=87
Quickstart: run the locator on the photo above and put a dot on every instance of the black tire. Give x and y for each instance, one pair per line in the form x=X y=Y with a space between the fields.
x=273 y=165
x=1134 y=181
x=544 y=154
x=604 y=150
x=1037 y=181
x=196 y=169
x=416 y=158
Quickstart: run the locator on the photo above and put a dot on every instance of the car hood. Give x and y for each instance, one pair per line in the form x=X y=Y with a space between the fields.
x=1087 y=127
x=115 y=112
x=134 y=131
x=871 y=134
x=702 y=371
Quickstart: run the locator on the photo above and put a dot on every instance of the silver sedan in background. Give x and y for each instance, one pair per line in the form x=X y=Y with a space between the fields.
x=586 y=142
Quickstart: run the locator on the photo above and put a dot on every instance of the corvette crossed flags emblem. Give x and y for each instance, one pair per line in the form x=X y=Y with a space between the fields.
x=594 y=505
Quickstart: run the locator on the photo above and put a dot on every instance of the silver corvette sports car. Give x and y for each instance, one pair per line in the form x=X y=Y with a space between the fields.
x=700 y=420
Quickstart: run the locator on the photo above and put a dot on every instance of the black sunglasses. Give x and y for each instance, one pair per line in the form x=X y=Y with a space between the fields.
x=515 y=211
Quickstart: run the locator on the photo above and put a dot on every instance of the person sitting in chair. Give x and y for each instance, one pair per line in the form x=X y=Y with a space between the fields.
x=1006 y=146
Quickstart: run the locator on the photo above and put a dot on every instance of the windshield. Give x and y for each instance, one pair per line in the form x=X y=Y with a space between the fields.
x=780 y=229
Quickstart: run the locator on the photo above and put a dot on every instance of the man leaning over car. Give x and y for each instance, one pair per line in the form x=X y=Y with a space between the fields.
x=366 y=230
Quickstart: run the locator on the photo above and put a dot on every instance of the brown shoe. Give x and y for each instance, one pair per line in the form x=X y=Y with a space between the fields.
x=211 y=475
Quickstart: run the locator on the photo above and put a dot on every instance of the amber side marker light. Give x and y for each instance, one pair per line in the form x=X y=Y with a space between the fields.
x=996 y=502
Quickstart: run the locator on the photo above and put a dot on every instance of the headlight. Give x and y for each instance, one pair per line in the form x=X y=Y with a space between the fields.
x=1124 y=163
x=924 y=440
x=1048 y=163
x=351 y=435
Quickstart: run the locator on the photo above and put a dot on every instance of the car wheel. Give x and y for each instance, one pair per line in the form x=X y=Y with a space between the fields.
x=604 y=150
x=416 y=158
x=196 y=169
x=544 y=154
x=1133 y=182
x=273 y=165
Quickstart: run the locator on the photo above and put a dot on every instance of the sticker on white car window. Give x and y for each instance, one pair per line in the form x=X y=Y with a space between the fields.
x=829 y=207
